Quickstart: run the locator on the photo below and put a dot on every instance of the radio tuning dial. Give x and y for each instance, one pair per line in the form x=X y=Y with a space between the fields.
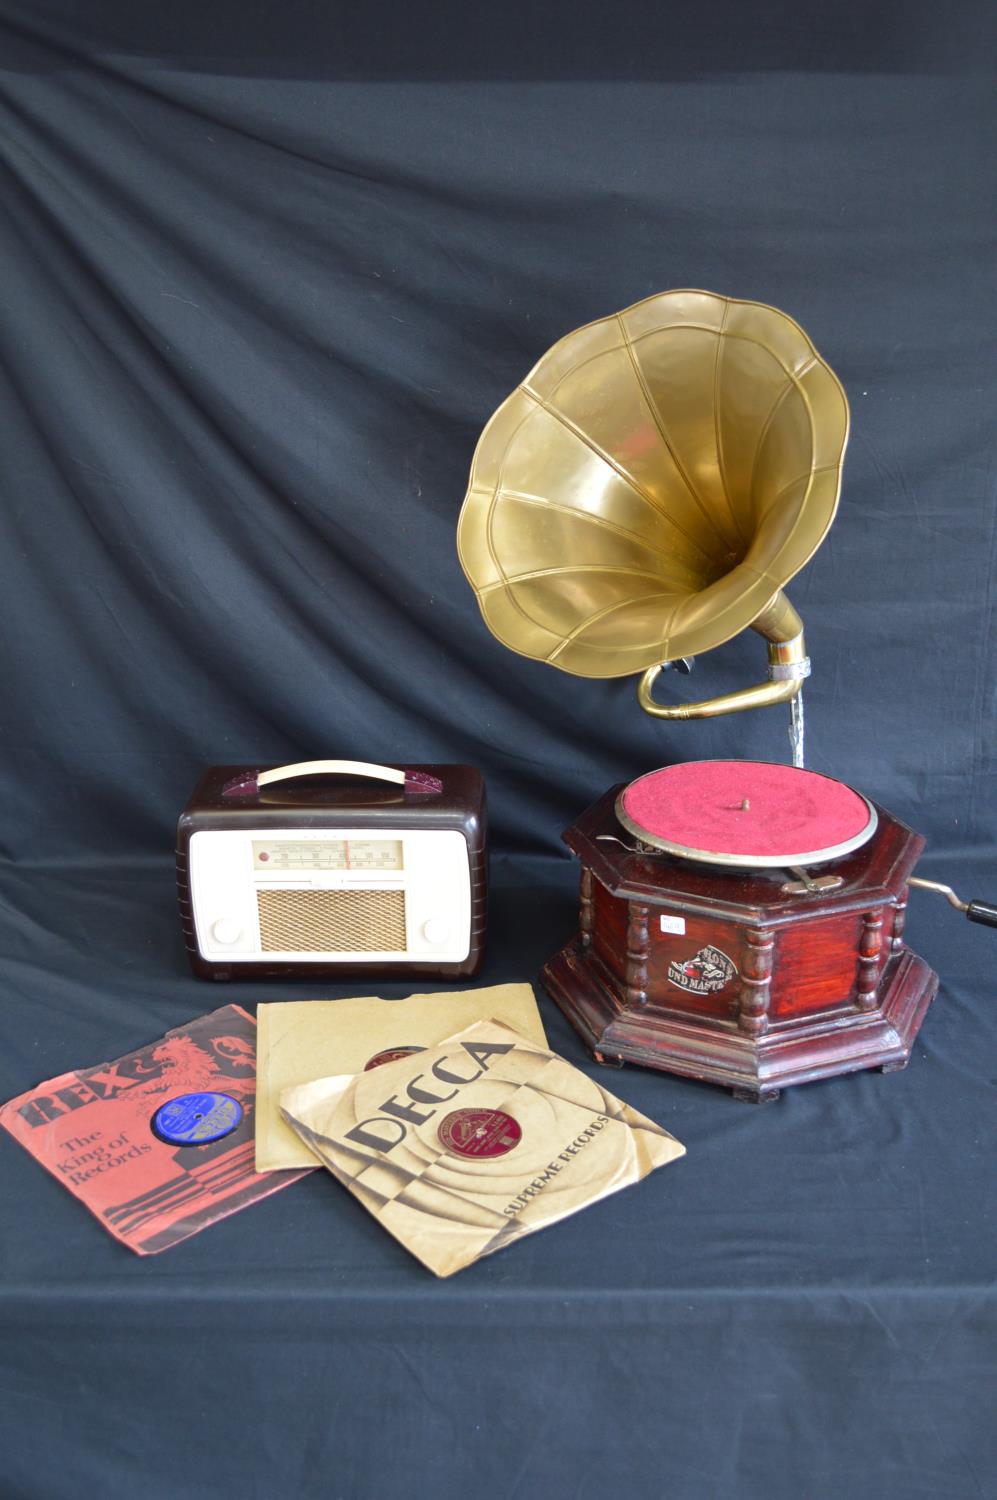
x=436 y=931
x=226 y=930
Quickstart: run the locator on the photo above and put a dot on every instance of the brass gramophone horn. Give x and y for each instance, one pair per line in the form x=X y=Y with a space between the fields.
x=647 y=491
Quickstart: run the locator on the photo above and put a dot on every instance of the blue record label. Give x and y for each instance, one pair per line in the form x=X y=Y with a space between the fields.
x=196 y=1119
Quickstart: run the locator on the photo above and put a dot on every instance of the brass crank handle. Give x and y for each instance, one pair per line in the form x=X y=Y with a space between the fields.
x=976 y=911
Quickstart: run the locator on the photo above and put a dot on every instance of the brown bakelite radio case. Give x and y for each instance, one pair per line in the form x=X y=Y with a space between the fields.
x=294 y=871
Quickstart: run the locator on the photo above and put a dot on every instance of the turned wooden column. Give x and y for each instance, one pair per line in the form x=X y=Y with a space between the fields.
x=756 y=978
x=899 y=923
x=585 y=907
x=870 y=947
x=638 y=945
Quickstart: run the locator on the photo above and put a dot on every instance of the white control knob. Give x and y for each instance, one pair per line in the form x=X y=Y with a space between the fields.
x=436 y=931
x=226 y=930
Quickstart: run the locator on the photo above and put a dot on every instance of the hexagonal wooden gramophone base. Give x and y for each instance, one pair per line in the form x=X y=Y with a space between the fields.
x=755 y=1068
x=730 y=978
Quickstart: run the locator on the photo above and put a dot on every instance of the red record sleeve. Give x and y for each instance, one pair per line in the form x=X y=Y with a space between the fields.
x=93 y=1131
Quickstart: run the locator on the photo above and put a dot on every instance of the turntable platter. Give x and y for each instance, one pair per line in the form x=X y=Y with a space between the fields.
x=746 y=813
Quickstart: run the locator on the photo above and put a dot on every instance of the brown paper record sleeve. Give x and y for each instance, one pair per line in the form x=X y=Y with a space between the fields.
x=300 y=1040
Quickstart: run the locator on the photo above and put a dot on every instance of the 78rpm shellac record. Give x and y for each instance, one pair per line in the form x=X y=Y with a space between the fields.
x=196 y=1119
x=390 y=1054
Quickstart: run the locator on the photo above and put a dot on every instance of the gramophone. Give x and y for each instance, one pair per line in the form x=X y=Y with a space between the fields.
x=643 y=496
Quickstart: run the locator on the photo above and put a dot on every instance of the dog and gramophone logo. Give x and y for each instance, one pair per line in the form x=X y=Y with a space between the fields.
x=707 y=971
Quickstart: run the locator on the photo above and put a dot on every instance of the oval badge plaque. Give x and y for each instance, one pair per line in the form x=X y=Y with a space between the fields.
x=707 y=971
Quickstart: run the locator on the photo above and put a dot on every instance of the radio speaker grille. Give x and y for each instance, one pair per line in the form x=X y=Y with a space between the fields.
x=332 y=921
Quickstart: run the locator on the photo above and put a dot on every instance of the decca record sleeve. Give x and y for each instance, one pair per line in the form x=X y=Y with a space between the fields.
x=159 y=1143
x=474 y=1142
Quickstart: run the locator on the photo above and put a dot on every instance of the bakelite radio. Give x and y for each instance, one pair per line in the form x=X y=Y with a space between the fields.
x=286 y=872
x=642 y=496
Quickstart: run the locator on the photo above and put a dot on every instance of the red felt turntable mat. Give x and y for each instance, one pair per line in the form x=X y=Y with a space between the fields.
x=746 y=811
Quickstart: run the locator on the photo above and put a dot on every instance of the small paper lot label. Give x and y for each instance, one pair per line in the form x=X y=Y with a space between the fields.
x=672 y=924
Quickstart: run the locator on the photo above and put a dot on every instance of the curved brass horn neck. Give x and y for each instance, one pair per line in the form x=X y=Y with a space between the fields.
x=788 y=666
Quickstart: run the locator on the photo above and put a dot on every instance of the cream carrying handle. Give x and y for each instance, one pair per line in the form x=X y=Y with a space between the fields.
x=331 y=768
x=250 y=783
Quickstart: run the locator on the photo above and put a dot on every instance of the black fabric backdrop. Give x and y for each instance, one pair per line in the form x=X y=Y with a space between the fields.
x=266 y=272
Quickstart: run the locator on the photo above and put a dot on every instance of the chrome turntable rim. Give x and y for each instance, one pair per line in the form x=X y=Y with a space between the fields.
x=854 y=814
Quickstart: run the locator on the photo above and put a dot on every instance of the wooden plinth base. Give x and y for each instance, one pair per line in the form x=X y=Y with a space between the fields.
x=801 y=1050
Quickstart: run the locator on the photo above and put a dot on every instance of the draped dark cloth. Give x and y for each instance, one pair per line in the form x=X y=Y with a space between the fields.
x=266 y=272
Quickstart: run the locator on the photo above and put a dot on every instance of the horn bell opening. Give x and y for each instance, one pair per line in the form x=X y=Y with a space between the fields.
x=652 y=484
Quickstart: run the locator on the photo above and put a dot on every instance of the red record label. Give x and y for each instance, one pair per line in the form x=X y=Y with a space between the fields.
x=480 y=1132
x=390 y=1054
